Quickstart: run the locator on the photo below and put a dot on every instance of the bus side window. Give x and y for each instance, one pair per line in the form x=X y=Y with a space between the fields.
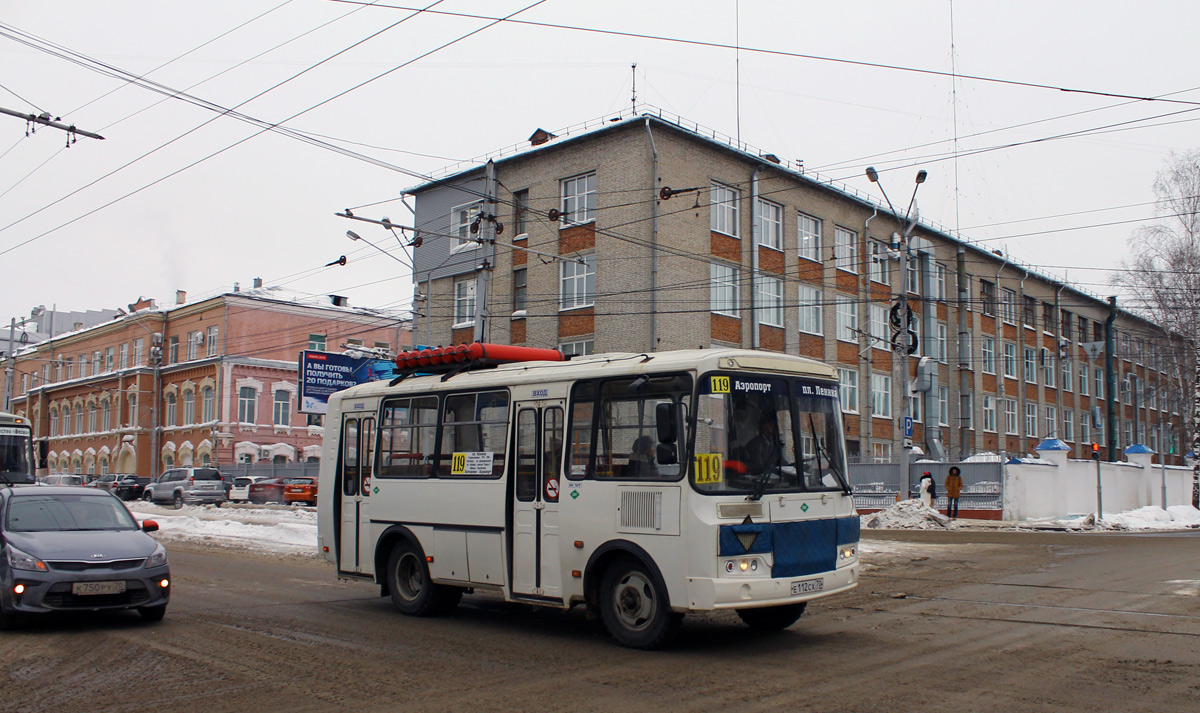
x=474 y=423
x=406 y=437
x=367 y=450
x=350 y=457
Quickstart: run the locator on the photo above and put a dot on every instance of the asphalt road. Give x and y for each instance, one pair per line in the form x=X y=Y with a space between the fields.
x=946 y=621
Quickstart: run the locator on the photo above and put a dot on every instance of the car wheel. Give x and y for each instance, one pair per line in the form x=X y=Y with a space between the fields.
x=411 y=590
x=772 y=618
x=634 y=608
x=153 y=613
x=148 y=496
x=178 y=500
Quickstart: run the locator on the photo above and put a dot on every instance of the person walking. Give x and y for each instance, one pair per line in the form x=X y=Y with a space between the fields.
x=954 y=486
x=928 y=489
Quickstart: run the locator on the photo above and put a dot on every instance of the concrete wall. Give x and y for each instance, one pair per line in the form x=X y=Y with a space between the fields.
x=1063 y=487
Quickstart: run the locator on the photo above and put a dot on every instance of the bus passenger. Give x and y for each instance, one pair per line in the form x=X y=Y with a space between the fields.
x=641 y=459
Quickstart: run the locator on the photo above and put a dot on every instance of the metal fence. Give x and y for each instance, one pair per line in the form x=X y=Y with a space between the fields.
x=272 y=470
x=877 y=485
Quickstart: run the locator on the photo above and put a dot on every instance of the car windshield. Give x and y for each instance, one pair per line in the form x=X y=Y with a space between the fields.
x=759 y=435
x=67 y=513
x=206 y=476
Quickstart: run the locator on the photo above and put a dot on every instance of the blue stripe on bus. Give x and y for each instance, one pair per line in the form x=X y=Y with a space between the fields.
x=799 y=548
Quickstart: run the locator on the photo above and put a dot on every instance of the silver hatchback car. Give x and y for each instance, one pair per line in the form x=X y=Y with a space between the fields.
x=74 y=549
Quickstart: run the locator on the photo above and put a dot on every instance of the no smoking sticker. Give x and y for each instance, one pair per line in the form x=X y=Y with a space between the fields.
x=552 y=489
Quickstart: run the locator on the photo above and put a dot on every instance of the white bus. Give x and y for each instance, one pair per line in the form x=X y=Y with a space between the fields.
x=642 y=485
x=16 y=450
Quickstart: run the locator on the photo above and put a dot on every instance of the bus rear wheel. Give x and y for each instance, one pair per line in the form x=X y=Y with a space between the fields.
x=772 y=618
x=410 y=587
x=634 y=608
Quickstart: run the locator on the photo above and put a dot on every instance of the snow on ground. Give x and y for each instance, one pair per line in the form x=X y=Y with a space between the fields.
x=909 y=515
x=266 y=528
x=1151 y=517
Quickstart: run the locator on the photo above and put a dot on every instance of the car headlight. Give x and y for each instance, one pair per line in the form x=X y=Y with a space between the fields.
x=20 y=560
x=158 y=559
x=847 y=553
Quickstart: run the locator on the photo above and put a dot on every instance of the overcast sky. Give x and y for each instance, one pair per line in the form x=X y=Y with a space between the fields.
x=180 y=197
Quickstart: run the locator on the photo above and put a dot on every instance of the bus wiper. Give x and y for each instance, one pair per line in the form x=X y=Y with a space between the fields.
x=761 y=486
x=812 y=430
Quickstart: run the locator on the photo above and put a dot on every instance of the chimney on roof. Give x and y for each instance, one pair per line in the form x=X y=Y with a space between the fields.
x=339 y=301
x=540 y=137
x=180 y=297
x=78 y=326
x=258 y=282
x=771 y=157
x=141 y=304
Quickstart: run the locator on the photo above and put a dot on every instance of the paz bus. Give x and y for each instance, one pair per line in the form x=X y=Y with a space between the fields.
x=643 y=486
x=16 y=450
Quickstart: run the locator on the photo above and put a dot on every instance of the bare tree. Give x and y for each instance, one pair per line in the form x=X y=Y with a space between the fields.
x=1163 y=276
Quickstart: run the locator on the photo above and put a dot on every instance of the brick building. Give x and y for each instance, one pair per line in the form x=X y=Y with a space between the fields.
x=646 y=232
x=205 y=383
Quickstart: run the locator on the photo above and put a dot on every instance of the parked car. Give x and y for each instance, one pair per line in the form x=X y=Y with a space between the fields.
x=73 y=549
x=267 y=490
x=130 y=486
x=300 y=489
x=241 y=487
x=109 y=481
x=187 y=485
x=62 y=479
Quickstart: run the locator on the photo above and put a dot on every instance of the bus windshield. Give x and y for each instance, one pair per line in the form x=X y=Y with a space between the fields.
x=768 y=434
x=14 y=453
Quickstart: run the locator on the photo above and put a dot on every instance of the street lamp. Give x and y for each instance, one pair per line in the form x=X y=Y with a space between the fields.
x=902 y=344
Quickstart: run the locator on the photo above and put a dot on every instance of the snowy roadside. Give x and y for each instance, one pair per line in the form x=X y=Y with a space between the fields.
x=263 y=528
x=914 y=515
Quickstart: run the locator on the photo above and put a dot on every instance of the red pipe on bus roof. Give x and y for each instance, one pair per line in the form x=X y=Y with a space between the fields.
x=472 y=352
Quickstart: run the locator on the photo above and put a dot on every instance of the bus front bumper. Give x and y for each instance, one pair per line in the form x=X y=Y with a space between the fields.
x=733 y=592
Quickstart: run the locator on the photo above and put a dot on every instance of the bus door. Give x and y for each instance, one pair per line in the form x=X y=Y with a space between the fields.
x=354 y=483
x=537 y=469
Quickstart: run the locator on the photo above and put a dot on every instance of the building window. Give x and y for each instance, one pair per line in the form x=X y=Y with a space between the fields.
x=579 y=348
x=1029 y=311
x=848 y=390
x=106 y=416
x=811 y=316
x=1064 y=325
x=520 y=277
x=1008 y=305
x=943 y=399
x=847 y=320
x=879 y=268
x=577 y=285
x=1083 y=329
x=724 y=289
x=283 y=408
x=209 y=401
x=987 y=294
x=189 y=407
x=845 y=249
x=881 y=395
x=881 y=452
x=1085 y=427
x=212 y=341
x=770 y=224
x=123 y=360
x=316 y=342
x=246 y=401
x=878 y=326
x=1031 y=419
x=770 y=302
x=808 y=232
x=939 y=282
x=54 y=422
x=133 y=413
x=989 y=413
x=1010 y=416
x=1030 y=365
x=1083 y=379
x=138 y=355
x=1010 y=360
x=914 y=407
x=1051 y=422
x=1047 y=316
x=169 y=409
x=914 y=280
x=520 y=213
x=464 y=302
x=723 y=210
x=1068 y=433
x=988 y=345
x=1048 y=367
x=97 y=364
x=78 y=420
x=173 y=350
x=462 y=219
x=1098 y=382
x=1066 y=374
x=579 y=199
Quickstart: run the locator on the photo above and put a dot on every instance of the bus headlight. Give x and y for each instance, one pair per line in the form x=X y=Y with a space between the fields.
x=847 y=553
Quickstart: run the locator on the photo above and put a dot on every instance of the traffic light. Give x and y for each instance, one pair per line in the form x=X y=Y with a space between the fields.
x=1096 y=451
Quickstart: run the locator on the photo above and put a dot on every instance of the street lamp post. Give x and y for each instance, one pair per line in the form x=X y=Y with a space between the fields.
x=904 y=344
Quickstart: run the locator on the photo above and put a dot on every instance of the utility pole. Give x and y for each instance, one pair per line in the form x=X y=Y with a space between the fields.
x=487 y=233
x=1110 y=381
x=904 y=341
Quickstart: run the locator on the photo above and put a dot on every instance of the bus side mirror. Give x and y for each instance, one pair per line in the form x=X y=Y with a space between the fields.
x=43 y=454
x=664 y=422
x=664 y=453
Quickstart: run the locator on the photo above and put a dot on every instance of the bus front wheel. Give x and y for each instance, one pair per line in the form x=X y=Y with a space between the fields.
x=634 y=608
x=772 y=618
x=410 y=587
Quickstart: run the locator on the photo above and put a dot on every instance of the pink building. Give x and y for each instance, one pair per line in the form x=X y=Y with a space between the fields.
x=212 y=382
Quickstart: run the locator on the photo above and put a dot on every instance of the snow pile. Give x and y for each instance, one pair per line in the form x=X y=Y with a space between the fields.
x=909 y=515
x=1151 y=517
x=280 y=530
